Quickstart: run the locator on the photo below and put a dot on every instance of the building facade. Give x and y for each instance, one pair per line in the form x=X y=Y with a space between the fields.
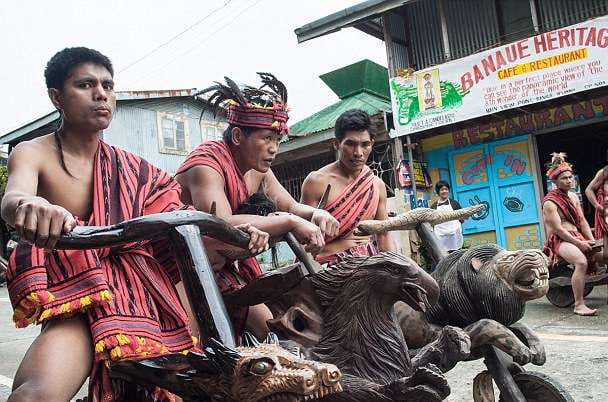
x=485 y=90
x=160 y=126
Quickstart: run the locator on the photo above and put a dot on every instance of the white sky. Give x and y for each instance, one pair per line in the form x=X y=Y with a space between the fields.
x=242 y=37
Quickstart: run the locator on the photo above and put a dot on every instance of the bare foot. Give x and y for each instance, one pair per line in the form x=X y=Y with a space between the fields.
x=585 y=311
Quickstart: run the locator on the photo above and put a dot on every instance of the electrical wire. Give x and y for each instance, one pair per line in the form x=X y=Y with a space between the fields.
x=198 y=22
x=173 y=60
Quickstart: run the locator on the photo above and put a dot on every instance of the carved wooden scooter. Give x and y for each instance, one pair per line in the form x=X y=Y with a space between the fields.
x=225 y=373
x=515 y=384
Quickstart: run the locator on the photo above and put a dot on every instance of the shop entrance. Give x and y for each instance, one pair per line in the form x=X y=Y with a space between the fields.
x=500 y=176
x=586 y=149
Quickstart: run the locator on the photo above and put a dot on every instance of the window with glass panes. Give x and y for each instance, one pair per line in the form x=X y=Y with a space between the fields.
x=212 y=130
x=172 y=134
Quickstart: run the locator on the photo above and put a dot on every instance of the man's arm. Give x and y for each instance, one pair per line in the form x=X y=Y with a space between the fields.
x=384 y=241
x=328 y=224
x=206 y=186
x=593 y=186
x=33 y=217
x=312 y=189
x=553 y=221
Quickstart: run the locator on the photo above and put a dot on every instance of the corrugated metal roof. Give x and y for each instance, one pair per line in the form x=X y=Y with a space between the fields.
x=355 y=16
x=152 y=94
x=326 y=118
x=48 y=119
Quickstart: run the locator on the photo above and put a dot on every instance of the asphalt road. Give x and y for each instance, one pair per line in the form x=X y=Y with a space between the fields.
x=577 y=349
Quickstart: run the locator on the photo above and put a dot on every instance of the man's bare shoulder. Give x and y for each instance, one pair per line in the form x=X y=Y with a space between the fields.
x=41 y=148
x=549 y=206
x=318 y=177
x=379 y=183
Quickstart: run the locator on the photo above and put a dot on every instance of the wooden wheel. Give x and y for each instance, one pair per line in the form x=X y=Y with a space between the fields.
x=562 y=296
x=539 y=387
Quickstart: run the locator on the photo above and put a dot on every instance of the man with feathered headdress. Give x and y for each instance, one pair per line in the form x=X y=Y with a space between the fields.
x=227 y=173
x=569 y=234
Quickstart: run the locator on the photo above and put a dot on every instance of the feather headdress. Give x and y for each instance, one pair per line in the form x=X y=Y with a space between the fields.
x=263 y=107
x=558 y=165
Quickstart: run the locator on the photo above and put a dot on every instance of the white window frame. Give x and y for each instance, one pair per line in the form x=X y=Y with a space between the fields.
x=218 y=125
x=163 y=149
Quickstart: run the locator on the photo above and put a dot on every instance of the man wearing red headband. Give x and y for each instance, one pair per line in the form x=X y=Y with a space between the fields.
x=231 y=171
x=569 y=234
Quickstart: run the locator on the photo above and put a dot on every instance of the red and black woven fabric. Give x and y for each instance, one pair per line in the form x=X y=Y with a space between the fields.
x=358 y=201
x=600 y=226
x=274 y=118
x=126 y=293
x=570 y=213
x=217 y=155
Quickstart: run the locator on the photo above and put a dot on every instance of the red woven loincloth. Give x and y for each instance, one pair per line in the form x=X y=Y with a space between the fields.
x=237 y=274
x=601 y=228
x=126 y=293
x=570 y=213
x=364 y=250
x=358 y=201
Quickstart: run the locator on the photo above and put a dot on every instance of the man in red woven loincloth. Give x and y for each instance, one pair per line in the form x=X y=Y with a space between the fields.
x=569 y=234
x=232 y=172
x=96 y=306
x=356 y=193
x=596 y=193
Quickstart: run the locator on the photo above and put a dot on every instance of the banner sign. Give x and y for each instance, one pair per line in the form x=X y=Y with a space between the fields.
x=532 y=70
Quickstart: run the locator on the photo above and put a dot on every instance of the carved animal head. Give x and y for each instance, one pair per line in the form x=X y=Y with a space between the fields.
x=386 y=277
x=525 y=272
x=255 y=372
x=487 y=281
x=263 y=372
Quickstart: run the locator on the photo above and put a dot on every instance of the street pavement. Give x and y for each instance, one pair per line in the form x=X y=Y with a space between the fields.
x=577 y=349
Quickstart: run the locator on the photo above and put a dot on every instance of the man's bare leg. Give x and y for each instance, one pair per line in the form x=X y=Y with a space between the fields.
x=575 y=256
x=56 y=364
x=256 y=320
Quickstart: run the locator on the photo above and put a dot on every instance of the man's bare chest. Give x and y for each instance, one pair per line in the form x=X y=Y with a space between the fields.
x=72 y=193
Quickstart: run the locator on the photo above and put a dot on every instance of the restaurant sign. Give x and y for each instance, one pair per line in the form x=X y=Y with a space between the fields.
x=531 y=70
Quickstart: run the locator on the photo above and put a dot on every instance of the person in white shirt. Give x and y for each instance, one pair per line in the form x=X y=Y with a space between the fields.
x=449 y=233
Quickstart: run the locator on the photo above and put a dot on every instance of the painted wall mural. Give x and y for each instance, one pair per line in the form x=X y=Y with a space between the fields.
x=521 y=237
x=513 y=204
x=498 y=175
x=471 y=167
x=513 y=159
x=483 y=214
x=476 y=239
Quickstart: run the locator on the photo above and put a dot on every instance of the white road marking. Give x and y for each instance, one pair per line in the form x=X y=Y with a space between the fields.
x=4 y=299
x=575 y=338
